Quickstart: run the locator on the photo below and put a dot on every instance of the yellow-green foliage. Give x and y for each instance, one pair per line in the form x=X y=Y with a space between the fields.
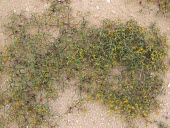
x=139 y=54
x=34 y=61
x=164 y=5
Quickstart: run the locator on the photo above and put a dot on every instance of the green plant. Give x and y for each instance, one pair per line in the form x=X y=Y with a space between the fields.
x=35 y=60
x=162 y=125
x=164 y=5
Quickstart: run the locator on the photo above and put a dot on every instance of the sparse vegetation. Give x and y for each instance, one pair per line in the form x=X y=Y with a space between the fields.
x=162 y=125
x=163 y=5
x=35 y=60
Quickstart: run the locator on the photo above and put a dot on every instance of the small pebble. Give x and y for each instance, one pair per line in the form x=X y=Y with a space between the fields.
x=23 y=71
x=61 y=1
x=97 y=7
x=169 y=85
x=27 y=9
x=96 y=16
x=108 y=1
x=113 y=11
x=131 y=15
x=46 y=5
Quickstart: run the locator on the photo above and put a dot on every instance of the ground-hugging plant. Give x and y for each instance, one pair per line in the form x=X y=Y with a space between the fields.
x=35 y=60
x=163 y=5
x=32 y=62
x=137 y=51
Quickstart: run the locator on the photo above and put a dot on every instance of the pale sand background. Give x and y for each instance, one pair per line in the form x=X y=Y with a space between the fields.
x=96 y=115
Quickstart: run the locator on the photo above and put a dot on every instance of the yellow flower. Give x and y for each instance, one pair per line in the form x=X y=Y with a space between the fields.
x=40 y=110
x=97 y=64
x=120 y=42
x=134 y=47
x=110 y=33
x=133 y=72
x=30 y=74
x=17 y=104
x=113 y=89
x=132 y=107
x=110 y=94
x=80 y=53
x=6 y=101
x=73 y=57
x=89 y=97
x=34 y=121
x=54 y=70
x=147 y=47
x=49 y=85
x=98 y=95
x=125 y=100
x=118 y=47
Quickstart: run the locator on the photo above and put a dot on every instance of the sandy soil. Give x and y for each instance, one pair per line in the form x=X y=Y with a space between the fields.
x=8 y=7
x=96 y=115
